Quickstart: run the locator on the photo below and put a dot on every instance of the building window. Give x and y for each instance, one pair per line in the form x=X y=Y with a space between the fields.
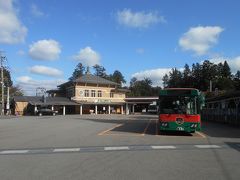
x=111 y=95
x=93 y=93
x=99 y=93
x=86 y=93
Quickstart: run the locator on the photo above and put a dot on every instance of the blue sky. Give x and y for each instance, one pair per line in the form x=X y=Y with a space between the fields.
x=45 y=39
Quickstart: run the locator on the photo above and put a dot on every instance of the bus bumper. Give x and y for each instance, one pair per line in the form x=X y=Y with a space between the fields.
x=185 y=127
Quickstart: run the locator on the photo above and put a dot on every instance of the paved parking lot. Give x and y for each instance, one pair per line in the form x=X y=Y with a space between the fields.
x=114 y=147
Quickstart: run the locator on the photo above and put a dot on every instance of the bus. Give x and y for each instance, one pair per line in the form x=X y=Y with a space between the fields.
x=179 y=109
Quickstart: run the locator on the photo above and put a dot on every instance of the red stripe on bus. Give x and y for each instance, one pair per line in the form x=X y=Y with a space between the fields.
x=172 y=117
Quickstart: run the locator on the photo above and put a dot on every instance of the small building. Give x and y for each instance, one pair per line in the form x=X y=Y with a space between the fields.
x=28 y=105
x=223 y=108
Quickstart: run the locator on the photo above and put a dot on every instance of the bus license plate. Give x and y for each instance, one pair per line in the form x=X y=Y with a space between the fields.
x=180 y=128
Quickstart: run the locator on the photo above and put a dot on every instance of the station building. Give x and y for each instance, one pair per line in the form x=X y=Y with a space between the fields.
x=88 y=94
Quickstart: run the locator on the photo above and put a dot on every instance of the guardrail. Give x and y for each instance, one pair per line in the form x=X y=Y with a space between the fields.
x=228 y=116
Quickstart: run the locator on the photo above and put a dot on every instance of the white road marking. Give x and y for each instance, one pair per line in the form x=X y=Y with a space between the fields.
x=14 y=152
x=163 y=147
x=116 y=148
x=207 y=146
x=67 y=150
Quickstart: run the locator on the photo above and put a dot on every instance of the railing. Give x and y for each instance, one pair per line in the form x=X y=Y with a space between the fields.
x=229 y=116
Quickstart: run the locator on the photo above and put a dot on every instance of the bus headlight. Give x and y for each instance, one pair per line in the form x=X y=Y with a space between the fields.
x=164 y=124
x=193 y=125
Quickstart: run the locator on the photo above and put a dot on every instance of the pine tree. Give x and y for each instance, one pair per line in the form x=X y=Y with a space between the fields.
x=78 y=71
x=187 y=77
x=175 y=78
x=165 y=80
x=236 y=81
x=117 y=77
x=100 y=71
x=226 y=70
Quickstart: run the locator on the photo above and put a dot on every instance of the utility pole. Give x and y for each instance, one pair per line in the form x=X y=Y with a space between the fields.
x=210 y=88
x=2 y=58
x=8 y=104
x=40 y=91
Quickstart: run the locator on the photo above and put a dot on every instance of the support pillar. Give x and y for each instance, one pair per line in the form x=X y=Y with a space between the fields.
x=80 y=109
x=96 y=109
x=52 y=108
x=133 y=109
x=35 y=109
x=127 y=109
x=121 y=109
x=64 y=110
x=109 y=109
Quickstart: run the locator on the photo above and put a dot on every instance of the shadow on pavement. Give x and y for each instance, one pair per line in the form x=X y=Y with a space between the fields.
x=234 y=145
x=214 y=129
x=137 y=124
x=175 y=133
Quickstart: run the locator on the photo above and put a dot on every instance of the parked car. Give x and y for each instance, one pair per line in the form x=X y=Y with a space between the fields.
x=46 y=111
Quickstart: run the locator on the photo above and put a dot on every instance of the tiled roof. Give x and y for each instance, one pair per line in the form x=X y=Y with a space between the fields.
x=226 y=95
x=89 y=78
x=36 y=100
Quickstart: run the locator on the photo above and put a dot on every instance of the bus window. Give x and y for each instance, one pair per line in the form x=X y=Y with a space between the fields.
x=178 y=105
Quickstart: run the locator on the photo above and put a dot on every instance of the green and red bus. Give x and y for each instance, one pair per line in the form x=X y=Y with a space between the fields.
x=179 y=109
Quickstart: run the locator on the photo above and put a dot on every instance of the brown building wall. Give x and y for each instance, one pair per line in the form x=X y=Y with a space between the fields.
x=20 y=107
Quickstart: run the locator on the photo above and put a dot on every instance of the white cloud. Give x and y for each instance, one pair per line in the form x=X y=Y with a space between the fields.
x=234 y=63
x=155 y=75
x=45 y=50
x=29 y=85
x=36 y=11
x=140 y=50
x=12 y=31
x=47 y=71
x=200 y=39
x=87 y=56
x=138 y=19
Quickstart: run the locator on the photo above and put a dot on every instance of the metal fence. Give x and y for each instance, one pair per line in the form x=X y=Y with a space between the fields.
x=229 y=116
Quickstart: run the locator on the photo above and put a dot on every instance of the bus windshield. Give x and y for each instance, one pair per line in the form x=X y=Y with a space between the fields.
x=178 y=105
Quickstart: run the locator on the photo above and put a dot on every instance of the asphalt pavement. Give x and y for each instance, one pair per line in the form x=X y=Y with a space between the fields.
x=114 y=147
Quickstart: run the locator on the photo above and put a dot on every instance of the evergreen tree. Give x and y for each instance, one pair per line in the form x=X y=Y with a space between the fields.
x=117 y=77
x=175 y=78
x=7 y=78
x=78 y=71
x=165 y=80
x=220 y=70
x=200 y=76
x=236 y=81
x=209 y=73
x=226 y=70
x=13 y=90
x=187 y=77
x=197 y=75
x=100 y=71
x=141 y=87
x=223 y=80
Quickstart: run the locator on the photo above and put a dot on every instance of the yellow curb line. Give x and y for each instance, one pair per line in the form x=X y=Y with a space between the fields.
x=103 y=132
x=145 y=130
